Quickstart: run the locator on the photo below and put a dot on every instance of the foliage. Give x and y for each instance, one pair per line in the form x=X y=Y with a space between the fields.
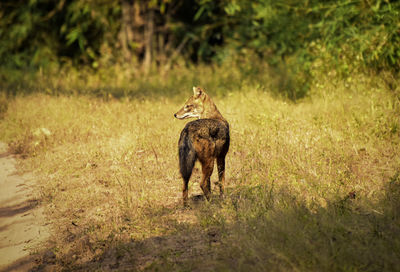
x=298 y=39
x=363 y=31
x=43 y=33
x=354 y=33
x=293 y=36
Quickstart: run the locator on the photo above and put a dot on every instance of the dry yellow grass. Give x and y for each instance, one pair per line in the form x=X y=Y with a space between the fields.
x=311 y=186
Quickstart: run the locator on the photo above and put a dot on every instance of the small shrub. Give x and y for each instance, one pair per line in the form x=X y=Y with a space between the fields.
x=3 y=105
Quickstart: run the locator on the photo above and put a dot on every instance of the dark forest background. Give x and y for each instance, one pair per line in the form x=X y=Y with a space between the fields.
x=291 y=37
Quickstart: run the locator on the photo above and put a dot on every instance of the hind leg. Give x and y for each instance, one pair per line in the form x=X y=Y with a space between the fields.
x=204 y=151
x=221 y=175
x=207 y=169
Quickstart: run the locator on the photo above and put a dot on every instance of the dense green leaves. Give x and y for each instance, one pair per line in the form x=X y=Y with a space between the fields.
x=49 y=32
x=291 y=35
x=366 y=32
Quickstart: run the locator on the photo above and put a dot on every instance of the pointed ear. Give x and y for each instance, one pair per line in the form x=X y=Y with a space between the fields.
x=197 y=92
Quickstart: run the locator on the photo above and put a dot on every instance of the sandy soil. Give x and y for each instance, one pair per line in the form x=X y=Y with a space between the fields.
x=22 y=224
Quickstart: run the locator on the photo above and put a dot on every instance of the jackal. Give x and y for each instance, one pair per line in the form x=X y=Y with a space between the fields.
x=206 y=139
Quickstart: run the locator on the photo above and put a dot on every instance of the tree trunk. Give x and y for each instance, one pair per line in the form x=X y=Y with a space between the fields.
x=148 y=46
x=126 y=33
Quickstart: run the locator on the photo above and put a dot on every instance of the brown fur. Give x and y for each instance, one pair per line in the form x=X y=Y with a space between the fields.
x=206 y=140
x=199 y=105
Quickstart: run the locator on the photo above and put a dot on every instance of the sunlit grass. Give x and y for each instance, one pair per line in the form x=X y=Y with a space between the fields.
x=311 y=186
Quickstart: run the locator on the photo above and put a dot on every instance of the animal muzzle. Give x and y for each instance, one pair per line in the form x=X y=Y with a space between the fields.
x=179 y=116
x=186 y=114
x=182 y=116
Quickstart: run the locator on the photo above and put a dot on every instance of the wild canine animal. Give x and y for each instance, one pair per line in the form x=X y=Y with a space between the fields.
x=206 y=139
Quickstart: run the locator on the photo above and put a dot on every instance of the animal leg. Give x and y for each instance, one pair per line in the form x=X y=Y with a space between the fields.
x=207 y=169
x=185 y=192
x=221 y=175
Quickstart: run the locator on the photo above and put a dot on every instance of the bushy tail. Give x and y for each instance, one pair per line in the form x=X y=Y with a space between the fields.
x=187 y=156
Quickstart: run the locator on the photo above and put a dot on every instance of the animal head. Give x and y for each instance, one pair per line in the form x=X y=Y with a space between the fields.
x=194 y=106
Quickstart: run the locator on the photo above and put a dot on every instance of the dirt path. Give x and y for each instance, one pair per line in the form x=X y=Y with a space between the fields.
x=21 y=219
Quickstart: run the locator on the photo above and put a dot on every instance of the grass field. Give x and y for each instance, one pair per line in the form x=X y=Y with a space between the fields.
x=311 y=186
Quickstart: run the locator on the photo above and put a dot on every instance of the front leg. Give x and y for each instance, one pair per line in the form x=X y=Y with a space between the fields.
x=221 y=175
x=185 y=192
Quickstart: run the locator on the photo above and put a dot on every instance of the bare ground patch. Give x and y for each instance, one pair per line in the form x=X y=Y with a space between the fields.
x=22 y=226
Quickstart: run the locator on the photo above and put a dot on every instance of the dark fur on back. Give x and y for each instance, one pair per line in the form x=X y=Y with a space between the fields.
x=215 y=132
